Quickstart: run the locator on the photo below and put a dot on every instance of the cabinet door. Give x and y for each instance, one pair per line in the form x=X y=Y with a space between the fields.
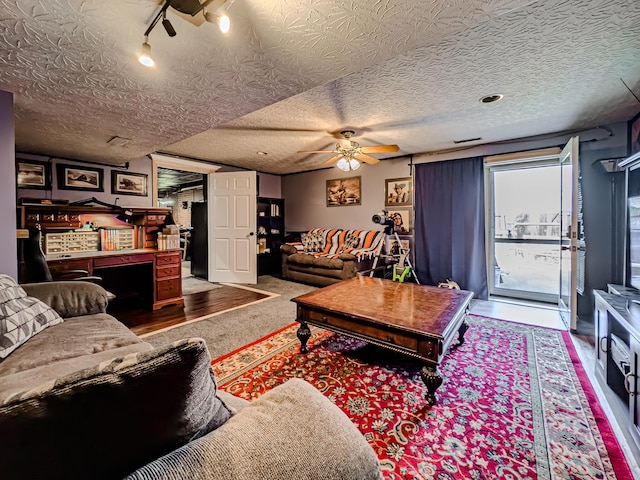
x=601 y=333
x=633 y=387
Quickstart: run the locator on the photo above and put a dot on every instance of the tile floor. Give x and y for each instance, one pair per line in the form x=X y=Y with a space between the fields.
x=548 y=316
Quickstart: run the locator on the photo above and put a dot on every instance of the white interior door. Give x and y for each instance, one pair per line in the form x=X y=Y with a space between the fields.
x=232 y=227
x=568 y=296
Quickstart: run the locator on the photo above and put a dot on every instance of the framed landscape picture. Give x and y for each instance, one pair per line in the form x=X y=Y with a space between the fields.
x=33 y=174
x=127 y=183
x=73 y=177
x=398 y=192
x=344 y=191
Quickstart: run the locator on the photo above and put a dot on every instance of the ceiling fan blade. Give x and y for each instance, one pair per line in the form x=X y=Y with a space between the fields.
x=380 y=149
x=317 y=151
x=332 y=159
x=367 y=159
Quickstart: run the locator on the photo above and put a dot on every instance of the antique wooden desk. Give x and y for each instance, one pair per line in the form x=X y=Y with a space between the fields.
x=155 y=274
x=415 y=320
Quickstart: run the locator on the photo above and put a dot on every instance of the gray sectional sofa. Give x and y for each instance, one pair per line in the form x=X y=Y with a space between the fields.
x=86 y=398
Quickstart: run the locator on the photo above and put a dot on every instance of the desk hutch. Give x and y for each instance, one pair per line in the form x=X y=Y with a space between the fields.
x=155 y=275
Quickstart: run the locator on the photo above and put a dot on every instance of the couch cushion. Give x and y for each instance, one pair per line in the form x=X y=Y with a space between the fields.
x=71 y=298
x=21 y=317
x=20 y=381
x=315 y=261
x=290 y=432
x=108 y=420
x=76 y=337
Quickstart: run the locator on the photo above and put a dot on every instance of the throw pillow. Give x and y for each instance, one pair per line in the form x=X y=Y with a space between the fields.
x=21 y=317
x=350 y=242
x=108 y=420
x=305 y=239
x=312 y=242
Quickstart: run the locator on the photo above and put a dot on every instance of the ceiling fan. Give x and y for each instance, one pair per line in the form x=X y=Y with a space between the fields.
x=348 y=156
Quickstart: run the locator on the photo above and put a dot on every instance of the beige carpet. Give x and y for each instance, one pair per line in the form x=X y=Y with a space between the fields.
x=231 y=330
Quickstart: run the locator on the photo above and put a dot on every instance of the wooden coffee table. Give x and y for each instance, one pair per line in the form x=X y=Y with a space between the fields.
x=415 y=320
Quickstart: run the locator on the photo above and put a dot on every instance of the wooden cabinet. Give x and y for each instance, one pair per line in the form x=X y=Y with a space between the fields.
x=617 y=332
x=270 y=234
x=168 y=279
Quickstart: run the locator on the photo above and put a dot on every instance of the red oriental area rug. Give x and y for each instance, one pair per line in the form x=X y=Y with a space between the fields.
x=515 y=402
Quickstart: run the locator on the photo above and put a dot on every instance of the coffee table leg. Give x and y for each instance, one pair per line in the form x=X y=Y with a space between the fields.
x=432 y=379
x=303 y=333
x=461 y=331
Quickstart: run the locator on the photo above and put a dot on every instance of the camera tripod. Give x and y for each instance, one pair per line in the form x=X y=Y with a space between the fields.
x=400 y=270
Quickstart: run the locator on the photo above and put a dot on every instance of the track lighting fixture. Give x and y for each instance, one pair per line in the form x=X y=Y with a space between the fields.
x=145 y=56
x=185 y=7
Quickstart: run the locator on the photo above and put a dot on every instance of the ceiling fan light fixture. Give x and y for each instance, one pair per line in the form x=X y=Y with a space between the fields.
x=347 y=165
x=145 y=56
x=343 y=165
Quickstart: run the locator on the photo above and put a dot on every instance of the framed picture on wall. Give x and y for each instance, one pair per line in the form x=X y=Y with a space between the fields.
x=73 y=177
x=33 y=174
x=344 y=191
x=398 y=192
x=392 y=247
x=402 y=221
x=127 y=183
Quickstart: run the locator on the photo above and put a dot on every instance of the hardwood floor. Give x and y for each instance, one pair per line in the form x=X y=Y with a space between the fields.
x=142 y=321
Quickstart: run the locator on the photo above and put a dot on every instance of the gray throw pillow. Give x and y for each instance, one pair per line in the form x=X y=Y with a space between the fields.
x=21 y=317
x=108 y=420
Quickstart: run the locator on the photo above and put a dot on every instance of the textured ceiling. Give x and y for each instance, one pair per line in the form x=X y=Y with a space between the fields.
x=291 y=74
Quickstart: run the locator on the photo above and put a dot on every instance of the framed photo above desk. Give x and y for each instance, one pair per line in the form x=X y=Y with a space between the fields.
x=33 y=174
x=127 y=183
x=73 y=177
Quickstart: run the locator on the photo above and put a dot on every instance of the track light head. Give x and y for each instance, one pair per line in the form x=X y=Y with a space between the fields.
x=223 y=21
x=167 y=25
x=145 y=56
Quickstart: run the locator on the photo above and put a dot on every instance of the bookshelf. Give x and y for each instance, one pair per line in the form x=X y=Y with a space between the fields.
x=270 y=234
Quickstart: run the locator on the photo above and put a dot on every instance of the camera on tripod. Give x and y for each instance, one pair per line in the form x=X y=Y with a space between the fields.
x=385 y=219
x=393 y=225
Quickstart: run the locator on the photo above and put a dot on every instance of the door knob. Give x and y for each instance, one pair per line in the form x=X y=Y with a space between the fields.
x=251 y=234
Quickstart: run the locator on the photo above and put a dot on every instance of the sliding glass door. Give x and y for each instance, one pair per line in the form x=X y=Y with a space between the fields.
x=524 y=235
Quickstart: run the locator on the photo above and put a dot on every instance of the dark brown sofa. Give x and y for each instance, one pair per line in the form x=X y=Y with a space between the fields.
x=331 y=256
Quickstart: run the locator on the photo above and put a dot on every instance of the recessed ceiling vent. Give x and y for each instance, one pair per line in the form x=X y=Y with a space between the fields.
x=118 y=141
x=495 y=97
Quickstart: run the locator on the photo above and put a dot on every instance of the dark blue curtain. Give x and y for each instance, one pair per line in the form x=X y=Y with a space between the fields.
x=449 y=224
